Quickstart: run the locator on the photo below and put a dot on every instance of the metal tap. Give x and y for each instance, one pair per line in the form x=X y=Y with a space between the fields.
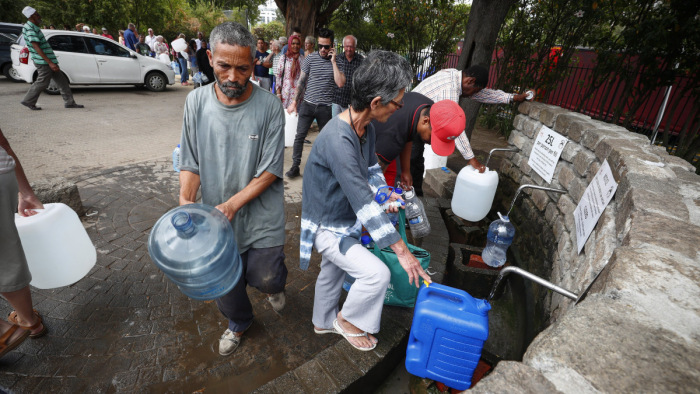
x=510 y=269
x=549 y=189
x=499 y=150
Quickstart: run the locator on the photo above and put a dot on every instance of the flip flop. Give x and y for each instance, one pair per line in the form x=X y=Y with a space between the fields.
x=345 y=335
x=14 y=319
x=7 y=343
x=326 y=331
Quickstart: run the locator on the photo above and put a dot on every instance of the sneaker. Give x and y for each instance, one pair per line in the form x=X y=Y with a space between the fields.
x=74 y=105
x=277 y=301
x=228 y=343
x=293 y=172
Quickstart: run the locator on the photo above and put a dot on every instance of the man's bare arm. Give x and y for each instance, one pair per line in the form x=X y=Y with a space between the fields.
x=189 y=184
x=250 y=192
x=300 y=85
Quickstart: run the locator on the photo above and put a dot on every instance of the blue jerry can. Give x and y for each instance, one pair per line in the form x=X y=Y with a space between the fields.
x=448 y=332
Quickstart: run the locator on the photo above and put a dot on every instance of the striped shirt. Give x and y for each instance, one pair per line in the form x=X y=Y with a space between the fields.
x=320 y=82
x=447 y=85
x=341 y=96
x=32 y=33
x=7 y=163
x=340 y=180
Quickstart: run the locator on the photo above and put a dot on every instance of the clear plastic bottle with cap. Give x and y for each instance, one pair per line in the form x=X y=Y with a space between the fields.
x=176 y=158
x=499 y=238
x=415 y=214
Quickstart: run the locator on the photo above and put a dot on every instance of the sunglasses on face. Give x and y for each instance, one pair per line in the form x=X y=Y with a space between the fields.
x=320 y=46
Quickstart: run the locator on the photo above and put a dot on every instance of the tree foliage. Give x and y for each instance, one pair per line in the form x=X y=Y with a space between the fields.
x=640 y=46
x=268 y=31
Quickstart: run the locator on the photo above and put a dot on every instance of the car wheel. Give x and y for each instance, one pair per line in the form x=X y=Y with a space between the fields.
x=52 y=88
x=155 y=81
x=11 y=73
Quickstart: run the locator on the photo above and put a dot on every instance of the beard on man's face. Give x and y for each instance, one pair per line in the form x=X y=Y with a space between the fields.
x=232 y=89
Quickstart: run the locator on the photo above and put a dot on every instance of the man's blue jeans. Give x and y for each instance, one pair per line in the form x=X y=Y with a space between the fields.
x=184 y=75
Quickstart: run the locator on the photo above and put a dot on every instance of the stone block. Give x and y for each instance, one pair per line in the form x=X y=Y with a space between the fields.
x=639 y=163
x=564 y=120
x=648 y=229
x=59 y=190
x=514 y=377
x=559 y=229
x=582 y=161
x=576 y=189
x=549 y=115
x=510 y=170
x=603 y=149
x=518 y=139
x=310 y=374
x=531 y=127
x=677 y=162
x=524 y=107
x=566 y=175
x=579 y=128
x=570 y=151
x=540 y=199
x=443 y=183
x=518 y=121
x=569 y=352
x=524 y=167
x=551 y=214
x=566 y=205
x=592 y=171
x=591 y=139
x=535 y=109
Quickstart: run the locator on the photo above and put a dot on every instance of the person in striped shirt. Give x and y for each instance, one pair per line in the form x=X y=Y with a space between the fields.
x=46 y=63
x=452 y=84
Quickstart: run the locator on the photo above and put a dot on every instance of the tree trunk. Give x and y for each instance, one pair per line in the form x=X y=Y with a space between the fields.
x=485 y=20
x=306 y=14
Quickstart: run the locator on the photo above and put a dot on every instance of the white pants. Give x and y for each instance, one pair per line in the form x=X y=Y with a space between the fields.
x=364 y=303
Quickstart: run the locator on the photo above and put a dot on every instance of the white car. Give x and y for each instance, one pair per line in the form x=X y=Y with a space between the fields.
x=88 y=59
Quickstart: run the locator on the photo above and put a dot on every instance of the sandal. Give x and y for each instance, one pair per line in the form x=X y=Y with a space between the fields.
x=340 y=331
x=14 y=319
x=7 y=342
x=326 y=331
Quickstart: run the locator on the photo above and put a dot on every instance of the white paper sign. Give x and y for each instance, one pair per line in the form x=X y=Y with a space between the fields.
x=596 y=197
x=546 y=152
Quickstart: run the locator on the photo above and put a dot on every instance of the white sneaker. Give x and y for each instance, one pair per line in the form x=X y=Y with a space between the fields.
x=228 y=343
x=277 y=301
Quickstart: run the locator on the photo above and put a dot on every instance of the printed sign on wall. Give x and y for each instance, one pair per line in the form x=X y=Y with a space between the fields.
x=546 y=152
x=596 y=197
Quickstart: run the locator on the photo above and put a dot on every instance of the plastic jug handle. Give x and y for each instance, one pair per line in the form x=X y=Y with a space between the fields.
x=449 y=293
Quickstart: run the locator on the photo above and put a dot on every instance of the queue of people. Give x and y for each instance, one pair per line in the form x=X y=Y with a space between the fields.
x=367 y=121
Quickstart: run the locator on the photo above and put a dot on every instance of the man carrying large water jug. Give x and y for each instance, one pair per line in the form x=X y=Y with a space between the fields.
x=232 y=148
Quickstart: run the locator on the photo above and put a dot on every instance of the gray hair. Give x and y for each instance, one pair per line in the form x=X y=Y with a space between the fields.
x=382 y=74
x=310 y=39
x=350 y=36
x=276 y=43
x=283 y=40
x=232 y=33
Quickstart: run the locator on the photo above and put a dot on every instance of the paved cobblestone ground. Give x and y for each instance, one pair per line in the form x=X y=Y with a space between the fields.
x=125 y=327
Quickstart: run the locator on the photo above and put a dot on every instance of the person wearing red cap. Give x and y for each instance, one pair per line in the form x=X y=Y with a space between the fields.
x=418 y=121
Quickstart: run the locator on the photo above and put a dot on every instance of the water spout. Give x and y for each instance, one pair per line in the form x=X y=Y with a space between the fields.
x=549 y=189
x=507 y=270
x=499 y=150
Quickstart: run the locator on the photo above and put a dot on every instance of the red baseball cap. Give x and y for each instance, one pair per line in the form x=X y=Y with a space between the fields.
x=447 y=122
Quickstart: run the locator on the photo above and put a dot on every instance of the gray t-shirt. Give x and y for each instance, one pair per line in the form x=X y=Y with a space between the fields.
x=228 y=146
x=7 y=163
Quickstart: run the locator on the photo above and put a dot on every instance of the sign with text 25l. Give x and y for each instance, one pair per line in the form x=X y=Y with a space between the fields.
x=546 y=152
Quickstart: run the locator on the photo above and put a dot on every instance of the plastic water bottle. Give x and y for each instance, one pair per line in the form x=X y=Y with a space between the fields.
x=499 y=238
x=415 y=214
x=195 y=248
x=176 y=158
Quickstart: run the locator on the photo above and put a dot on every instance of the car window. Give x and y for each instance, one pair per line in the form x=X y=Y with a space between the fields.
x=104 y=47
x=7 y=39
x=73 y=44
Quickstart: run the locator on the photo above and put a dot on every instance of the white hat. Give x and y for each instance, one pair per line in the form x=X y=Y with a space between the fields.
x=28 y=11
x=86 y=27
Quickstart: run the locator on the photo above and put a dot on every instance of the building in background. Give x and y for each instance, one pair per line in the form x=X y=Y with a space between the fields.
x=268 y=12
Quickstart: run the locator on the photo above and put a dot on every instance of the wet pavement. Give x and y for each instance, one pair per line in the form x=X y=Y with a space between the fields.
x=125 y=327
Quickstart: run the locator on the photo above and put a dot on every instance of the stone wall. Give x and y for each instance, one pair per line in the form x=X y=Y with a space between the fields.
x=639 y=327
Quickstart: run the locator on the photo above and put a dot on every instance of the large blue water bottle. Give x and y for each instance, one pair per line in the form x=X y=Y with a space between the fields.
x=499 y=237
x=194 y=247
x=448 y=332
